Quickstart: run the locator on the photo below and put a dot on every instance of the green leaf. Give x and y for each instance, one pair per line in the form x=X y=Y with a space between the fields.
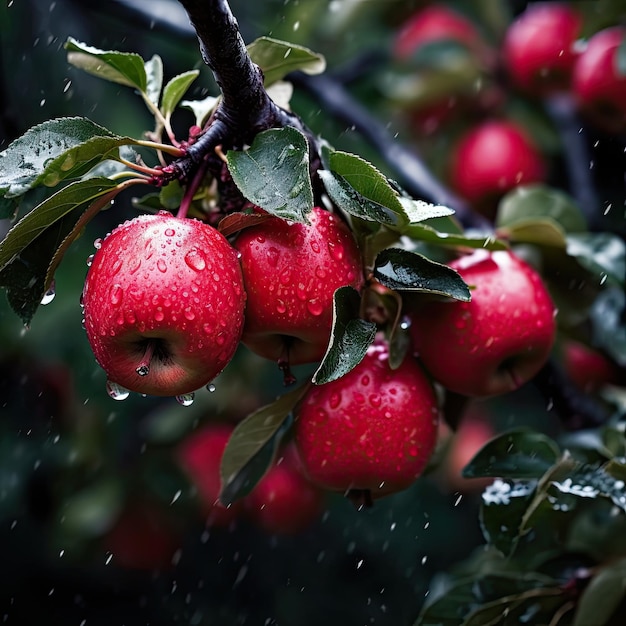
x=408 y=271
x=428 y=234
x=154 y=78
x=468 y=595
x=279 y=58
x=351 y=336
x=201 y=108
x=253 y=445
x=602 y=595
x=603 y=254
x=53 y=151
x=541 y=231
x=33 y=247
x=92 y=511
x=518 y=454
x=176 y=89
x=366 y=180
x=353 y=203
x=274 y=173
x=539 y=201
x=118 y=67
x=419 y=211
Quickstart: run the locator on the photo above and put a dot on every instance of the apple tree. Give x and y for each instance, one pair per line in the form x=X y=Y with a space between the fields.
x=338 y=315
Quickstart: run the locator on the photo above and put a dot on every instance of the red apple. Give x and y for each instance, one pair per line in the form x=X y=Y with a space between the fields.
x=291 y=271
x=431 y=24
x=540 y=48
x=498 y=341
x=163 y=304
x=285 y=501
x=491 y=159
x=200 y=456
x=371 y=431
x=588 y=368
x=143 y=538
x=598 y=84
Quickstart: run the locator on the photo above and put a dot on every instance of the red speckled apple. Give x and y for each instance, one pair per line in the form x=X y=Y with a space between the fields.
x=284 y=501
x=597 y=83
x=372 y=430
x=291 y=271
x=200 y=456
x=163 y=304
x=540 y=50
x=498 y=341
x=491 y=159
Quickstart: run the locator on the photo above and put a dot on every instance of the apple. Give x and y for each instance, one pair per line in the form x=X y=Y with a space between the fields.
x=431 y=24
x=163 y=304
x=491 y=159
x=371 y=432
x=498 y=341
x=290 y=272
x=597 y=82
x=540 y=49
x=143 y=538
x=284 y=501
x=200 y=457
x=588 y=368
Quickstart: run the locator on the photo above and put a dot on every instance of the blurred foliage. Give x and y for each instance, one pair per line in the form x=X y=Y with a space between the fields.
x=73 y=460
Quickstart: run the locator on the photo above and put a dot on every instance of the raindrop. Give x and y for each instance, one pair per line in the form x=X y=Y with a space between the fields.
x=272 y=256
x=315 y=307
x=48 y=297
x=169 y=232
x=143 y=369
x=185 y=399
x=115 y=294
x=336 y=250
x=162 y=266
x=210 y=388
x=89 y=260
x=117 y=392
x=195 y=260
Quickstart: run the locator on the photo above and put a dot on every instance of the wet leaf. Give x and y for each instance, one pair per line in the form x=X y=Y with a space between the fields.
x=154 y=78
x=274 y=173
x=469 y=595
x=537 y=231
x=428 y=234
x=93 y=510
x=353 y=203
x=200 y=108
x=408 y=271
x=603 y=254
x=419 y=211
x=175 y=90
x=350 y=338
x=539 y=201
x=54 y=151
x=30 y=249
x=277 y=58
x=253 y=445
x=118 y=67
x=366 y=180
x=602 y=595
x=516 y=454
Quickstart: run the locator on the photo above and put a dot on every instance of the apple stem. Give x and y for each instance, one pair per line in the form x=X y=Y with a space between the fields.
x=143 y=369
x=285 y=368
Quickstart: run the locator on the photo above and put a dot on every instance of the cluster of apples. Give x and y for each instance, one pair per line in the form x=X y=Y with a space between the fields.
x=542 y=55
x=167 y=301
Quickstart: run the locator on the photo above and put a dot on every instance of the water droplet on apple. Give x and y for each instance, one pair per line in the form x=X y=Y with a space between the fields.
x=285 y=276
x=315 y=307
x=280 y=306
x=89 y=260
x=336 y=250
x=169 y=232
x=272 y=256
x=159 y=315
x=97 y=244
x=195 y=260
x=320 y=272
x=375 y=400
x=115 y=391
x=210 y=388
x=365 y=380
x=162 y=266
x=315 y=246
x=189 y=314
x=185 y=399
x=143 y=370
x=48 y=297
x=115 y=294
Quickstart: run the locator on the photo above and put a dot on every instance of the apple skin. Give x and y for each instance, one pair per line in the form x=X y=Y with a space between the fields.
x=498 y=341
x=598 y=87
x=200 y=456
x=434 y=23
x=284 y=501
x=174 y=284
x=588 y=368
x=539 y=49
x=491 y=159
x=291 y=271
x=372 y=430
